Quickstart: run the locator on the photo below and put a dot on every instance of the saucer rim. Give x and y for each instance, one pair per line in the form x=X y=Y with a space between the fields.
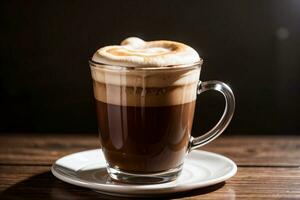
x=134 y=190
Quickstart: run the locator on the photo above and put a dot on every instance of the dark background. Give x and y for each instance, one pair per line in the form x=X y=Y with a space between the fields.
x=254 y=45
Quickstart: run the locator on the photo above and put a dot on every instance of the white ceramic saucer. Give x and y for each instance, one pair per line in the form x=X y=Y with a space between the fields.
x=87 y=169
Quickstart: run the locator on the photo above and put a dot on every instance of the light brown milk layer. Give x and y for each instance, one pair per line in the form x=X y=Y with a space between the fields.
x=155 y=88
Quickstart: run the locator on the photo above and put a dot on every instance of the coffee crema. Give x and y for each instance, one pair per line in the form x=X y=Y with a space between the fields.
x=135 y=52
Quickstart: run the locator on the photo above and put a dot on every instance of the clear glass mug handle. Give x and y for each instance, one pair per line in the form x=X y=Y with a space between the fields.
x=226 y=117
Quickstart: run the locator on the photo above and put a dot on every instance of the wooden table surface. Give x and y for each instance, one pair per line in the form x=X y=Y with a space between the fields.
x=268 y=167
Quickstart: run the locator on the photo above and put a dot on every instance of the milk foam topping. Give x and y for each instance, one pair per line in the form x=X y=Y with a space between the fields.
x=135 y=52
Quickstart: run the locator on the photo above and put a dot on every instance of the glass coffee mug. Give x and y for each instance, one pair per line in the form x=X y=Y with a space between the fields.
x=145 y=117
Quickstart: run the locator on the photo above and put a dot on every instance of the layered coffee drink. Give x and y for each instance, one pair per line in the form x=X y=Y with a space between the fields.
x=145 y=96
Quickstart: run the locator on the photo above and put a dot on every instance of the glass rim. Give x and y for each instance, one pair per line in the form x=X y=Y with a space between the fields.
x=133 y=68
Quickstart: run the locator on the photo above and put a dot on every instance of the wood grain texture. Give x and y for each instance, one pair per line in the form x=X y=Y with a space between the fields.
x=37 y=182
x=44 y=149
x=269 y=168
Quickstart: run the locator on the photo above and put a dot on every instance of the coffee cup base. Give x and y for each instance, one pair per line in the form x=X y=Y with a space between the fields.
x=144 y=178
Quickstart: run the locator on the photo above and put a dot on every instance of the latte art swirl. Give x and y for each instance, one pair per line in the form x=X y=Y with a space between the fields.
x=135 y=52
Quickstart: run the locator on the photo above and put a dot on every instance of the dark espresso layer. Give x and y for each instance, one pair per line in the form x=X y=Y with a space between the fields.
x=145 y=139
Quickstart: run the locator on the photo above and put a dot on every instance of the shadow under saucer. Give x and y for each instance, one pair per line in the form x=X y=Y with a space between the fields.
x=46 y=186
